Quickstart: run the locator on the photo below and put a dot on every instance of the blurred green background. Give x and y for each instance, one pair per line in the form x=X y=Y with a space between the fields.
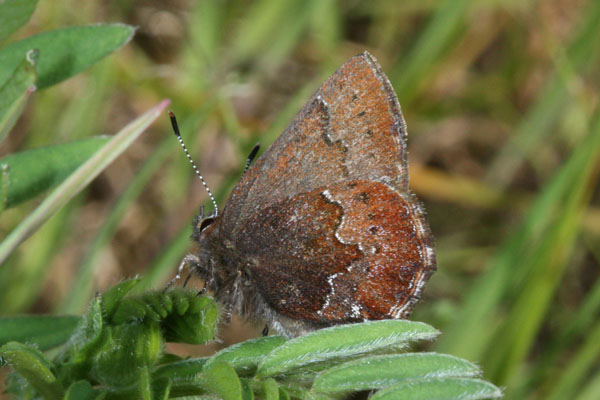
x=501 y=101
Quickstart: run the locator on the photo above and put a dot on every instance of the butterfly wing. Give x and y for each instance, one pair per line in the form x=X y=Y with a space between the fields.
x=324 y=219
x=352 y=251
x=352 y=128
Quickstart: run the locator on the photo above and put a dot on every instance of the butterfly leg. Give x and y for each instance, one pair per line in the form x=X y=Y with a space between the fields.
x=190 y=261
x=208 y=282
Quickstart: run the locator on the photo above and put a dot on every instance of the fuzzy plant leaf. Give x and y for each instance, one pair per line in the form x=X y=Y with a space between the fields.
x=126 y=351
x=111 y=298
x=33 y=366
x=343 y=341
x=222 y=380
x=244 y=357
x=181 y=370
x=247 y=390
x=383 y=371
x=65 y=52
x=15 y=92
x=13 y=15
x=80 y=390
x=270 y=389
x=161 y=389
x=440 y=389
x=32 y=172
x=85 y=342
x=34 y=330
x=197 y=325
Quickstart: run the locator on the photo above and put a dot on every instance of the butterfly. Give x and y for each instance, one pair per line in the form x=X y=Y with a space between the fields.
x=322 y=228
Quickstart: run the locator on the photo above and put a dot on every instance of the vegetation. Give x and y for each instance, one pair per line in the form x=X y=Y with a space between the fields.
x=501 y=103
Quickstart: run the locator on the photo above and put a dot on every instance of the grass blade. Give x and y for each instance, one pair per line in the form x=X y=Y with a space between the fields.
x=584 y=362
x=474 y=328
x=15 y=92
x=79 y=179
x=409 y=75
x=83 y=284
x=547 y=262
x=536 y=125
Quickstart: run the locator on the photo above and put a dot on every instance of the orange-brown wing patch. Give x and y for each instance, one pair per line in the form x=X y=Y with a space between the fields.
x=396 y=246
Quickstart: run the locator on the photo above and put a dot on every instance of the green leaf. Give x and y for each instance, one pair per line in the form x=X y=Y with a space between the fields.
x=222 y=380
x=247 y=392
x=384 y=371
x=33 y=171
x=129 y=310
x=160 y=304
x=124 y=355
x=65 y=52
x=34 y=330
x=161 y=389
x=16 y=90
x=270 y=389
x=34 y=367
x=440 y=389
x=144 y=385
x=181 y=371
x=197 y=325
x=80 y=390
x=244 y=357
x=112 y=297
x=13 y=14
x=283 y=394
x=343 y=341
x=180 y=301
x=79 y=179
x=87 y=338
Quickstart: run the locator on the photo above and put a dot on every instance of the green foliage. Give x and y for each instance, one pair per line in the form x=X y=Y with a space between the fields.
x=15 y=92
x=498 y=96
x=32 y=330
x=13 y=14
x=117 y=352
x=32 y=365
x=119 y=339
x=78 y=179
x=441 y=388
x=32 y=172
x=65 y=52
x=343 y=341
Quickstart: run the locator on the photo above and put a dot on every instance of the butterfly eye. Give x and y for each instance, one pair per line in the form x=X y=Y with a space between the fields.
x=204 y=223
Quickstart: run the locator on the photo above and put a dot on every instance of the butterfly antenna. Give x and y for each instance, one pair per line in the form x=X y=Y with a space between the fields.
x=187 y=153
x=251 y=156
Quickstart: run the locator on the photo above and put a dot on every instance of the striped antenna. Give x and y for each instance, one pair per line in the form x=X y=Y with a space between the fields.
x=187 y=153
x=251 y=157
